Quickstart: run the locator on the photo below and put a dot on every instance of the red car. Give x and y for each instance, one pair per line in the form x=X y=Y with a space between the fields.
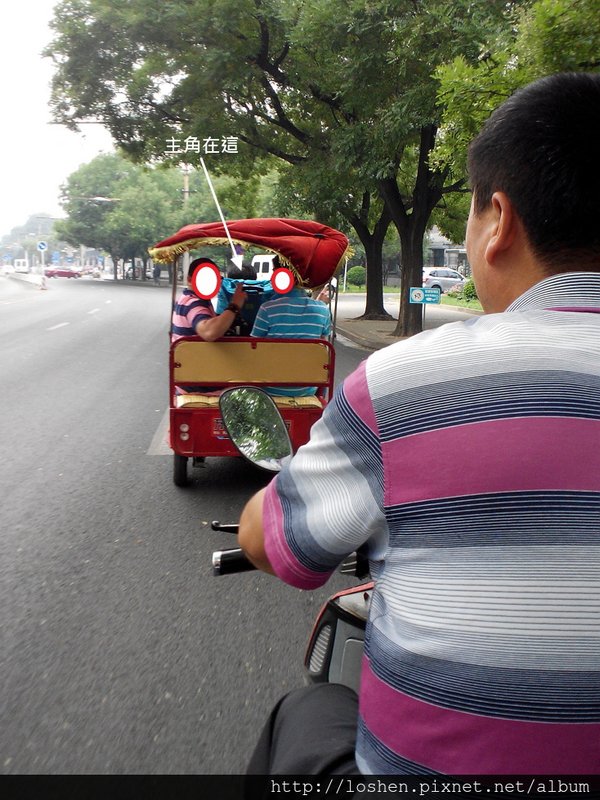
x=62 y=272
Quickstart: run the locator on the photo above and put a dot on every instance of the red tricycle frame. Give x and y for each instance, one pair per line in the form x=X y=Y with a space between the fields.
x=199 y=371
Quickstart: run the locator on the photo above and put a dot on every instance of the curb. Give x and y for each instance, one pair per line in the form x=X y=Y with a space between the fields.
x=364 y=341
x=146 y=284
x=377 y=344
x=30 y=280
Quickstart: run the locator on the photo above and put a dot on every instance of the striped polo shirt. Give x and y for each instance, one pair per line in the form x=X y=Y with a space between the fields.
x=188 y=312
x=468 y=459
x=293 y=316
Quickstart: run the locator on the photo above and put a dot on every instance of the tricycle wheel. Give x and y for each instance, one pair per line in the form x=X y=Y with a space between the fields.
x=180 y=470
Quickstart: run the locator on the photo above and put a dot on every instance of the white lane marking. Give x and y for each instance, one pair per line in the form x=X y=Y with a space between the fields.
x=60 y=325
x=94 y=311
x=158 y=445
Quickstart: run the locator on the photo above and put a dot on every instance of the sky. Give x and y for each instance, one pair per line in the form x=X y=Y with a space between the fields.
x=35 y=156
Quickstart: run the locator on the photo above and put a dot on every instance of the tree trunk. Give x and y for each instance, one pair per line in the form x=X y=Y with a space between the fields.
x=373 y=244
x=410 y=315
x=374 y=308
x=411 y=220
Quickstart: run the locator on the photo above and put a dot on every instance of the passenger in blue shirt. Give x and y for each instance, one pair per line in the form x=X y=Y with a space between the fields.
x=293 y=316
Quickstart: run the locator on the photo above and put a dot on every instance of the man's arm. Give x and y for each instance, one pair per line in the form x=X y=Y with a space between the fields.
x=215 y=327
x=251 y=533
x=327 y=501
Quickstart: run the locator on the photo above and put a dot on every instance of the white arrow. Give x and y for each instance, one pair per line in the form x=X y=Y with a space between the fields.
x=237 y=260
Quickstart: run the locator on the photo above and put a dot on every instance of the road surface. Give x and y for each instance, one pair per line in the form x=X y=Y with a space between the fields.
x=120 y=653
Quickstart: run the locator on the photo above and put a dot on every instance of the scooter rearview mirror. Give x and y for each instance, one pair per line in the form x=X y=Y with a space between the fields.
x=255 y=426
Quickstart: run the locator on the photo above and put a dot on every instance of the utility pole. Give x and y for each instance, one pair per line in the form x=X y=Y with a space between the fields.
x=186 y=169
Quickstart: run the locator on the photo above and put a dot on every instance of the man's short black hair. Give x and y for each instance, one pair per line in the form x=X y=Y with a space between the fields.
x=245 y=272
x=542 y=148
x=196 y=262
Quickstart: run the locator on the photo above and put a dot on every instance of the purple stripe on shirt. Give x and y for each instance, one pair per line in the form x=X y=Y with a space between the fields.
x=459 y=743
x=580 y=309
x=189 y=311
x=281 y=558
x=357 y=394
x=522 y=454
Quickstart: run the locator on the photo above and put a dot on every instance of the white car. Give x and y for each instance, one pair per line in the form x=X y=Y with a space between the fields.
x=263 y=264
x=442 y=278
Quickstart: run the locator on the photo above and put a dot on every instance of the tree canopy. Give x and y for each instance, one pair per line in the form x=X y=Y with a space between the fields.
x=115 y=205
x=346 y=92
x=343 y=87
x=545 y=37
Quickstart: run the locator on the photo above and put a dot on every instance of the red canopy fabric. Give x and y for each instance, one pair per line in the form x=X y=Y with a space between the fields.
x=314 y=251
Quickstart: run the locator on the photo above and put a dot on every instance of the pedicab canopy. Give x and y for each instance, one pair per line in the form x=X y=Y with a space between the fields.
x=311 y=250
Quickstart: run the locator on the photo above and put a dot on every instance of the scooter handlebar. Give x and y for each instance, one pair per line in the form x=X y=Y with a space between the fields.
x=227 y=528
x=226 y=562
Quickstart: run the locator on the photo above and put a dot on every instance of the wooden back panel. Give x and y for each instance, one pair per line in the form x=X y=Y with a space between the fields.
x=305 y=362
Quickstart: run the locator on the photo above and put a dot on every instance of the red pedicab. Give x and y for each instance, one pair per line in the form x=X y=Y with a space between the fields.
x=312 y=252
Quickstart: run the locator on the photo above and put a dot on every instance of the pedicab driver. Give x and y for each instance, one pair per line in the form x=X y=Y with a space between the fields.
x=468 y=459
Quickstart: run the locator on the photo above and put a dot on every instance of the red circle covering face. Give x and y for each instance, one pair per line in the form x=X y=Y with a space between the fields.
x=206 y=281
x=282 y=280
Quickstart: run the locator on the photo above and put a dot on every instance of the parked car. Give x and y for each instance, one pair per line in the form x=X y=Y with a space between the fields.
x=62 y=272
x=264 y=266
x=442 y=278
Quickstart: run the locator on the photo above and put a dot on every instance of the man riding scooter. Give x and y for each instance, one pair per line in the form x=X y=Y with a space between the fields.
x=467 y=460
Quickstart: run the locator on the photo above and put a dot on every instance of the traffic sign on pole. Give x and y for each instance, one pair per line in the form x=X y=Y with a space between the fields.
x=42 y=247
x=424 y=296
x=420 y=294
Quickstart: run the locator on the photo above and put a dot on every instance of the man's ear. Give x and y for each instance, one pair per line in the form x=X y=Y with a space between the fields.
x=504 y=225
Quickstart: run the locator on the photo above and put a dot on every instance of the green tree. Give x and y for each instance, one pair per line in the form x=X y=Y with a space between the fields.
x=451 y=216
x=116 y=206
x=357 y=276
x=88 y=196
x=336 y=87
x=545 y=37
x=299 y=192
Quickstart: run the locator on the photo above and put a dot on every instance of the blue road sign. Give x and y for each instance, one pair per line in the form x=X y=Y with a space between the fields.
x=419 y=294
x=56 y=257
x=41 y=246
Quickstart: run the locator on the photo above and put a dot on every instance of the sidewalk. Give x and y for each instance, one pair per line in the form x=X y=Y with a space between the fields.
x=375 y=334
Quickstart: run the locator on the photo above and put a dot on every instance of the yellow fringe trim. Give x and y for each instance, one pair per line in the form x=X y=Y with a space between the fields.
x=165 y=255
